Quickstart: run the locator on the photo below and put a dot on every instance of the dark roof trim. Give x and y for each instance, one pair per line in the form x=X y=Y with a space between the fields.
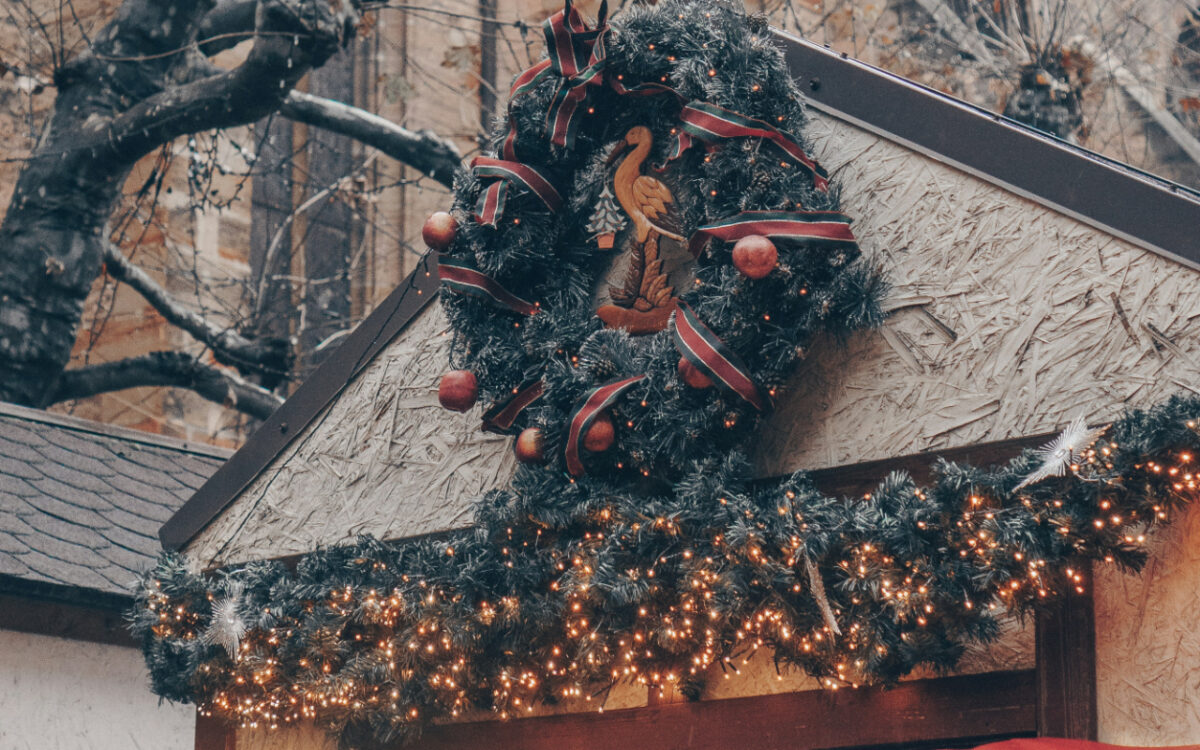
x=124 y=434
x=11 y=585
x=64 y=611
x=318 y=391
x=62 y=615
x=1148 y=211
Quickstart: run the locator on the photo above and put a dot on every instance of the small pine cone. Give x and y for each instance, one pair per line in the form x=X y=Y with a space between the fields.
x=603 y=369
x=762 y=182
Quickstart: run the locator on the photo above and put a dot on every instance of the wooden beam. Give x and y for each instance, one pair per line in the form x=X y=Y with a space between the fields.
x=1066 y=666
x=982 y=707
x=63 y=620
x=855 y=479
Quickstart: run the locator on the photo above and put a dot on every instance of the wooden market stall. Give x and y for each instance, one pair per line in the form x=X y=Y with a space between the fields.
x=1032 y=281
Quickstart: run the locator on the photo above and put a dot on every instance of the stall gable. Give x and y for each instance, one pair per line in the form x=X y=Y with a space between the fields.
x=1010 y=318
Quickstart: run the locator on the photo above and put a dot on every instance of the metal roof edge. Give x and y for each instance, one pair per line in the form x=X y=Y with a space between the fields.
x=101 y=429
x=82 y=596
x=1148 y=211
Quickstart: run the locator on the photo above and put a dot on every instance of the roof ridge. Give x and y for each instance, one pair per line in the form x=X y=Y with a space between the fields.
x=101 y=429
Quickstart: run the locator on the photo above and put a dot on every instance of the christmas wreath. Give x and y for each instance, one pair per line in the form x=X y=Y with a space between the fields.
x=630 y=278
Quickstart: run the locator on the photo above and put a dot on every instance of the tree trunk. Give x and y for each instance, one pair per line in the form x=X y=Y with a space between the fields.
x=132 y=92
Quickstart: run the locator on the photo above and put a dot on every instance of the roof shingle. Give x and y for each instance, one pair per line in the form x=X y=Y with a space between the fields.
x=81 y=502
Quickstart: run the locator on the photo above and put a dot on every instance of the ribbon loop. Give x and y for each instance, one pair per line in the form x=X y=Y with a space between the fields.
x=503 y=414
x=825 y=227
x=462 y=276
x=701 y=347
x=491 y=202
x=585 y=412
x=710 y=123
x=577 y=55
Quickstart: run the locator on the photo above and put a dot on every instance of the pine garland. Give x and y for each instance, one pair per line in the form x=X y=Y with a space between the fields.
x=665 y=560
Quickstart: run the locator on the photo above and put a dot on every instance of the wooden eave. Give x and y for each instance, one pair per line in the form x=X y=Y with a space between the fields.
x=1152 y=213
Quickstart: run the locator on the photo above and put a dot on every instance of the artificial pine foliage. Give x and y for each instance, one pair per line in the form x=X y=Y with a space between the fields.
x=664 y=559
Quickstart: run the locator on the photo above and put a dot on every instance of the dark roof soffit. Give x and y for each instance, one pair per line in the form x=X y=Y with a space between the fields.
x=302 y=407
x=1150 y=212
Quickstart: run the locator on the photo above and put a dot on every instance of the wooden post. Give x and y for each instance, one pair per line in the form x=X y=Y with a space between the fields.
x=1066 y=665
x=214 y=734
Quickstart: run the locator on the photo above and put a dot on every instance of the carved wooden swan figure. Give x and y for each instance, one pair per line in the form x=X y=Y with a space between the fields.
x=643 y=303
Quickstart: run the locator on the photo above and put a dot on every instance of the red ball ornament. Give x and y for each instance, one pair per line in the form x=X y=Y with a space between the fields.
x=530 y=447
x=691 y=375
x=755 y=256
x=439 y=230
x=601 y=435
x=458 y=390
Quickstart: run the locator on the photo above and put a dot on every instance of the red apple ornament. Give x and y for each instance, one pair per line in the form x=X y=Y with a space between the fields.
x=531 y=446
x=439 y=230
x=601 y=435
x=691 y=375
x=755 y=256
x=458 y=390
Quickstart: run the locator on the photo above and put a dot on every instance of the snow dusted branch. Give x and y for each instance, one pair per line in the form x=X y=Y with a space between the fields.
x=167 y=369
x=424 y=150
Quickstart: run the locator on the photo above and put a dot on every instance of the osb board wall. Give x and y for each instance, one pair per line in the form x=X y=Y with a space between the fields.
x=1148 y=643
x=1011 y=318
x=383 y=459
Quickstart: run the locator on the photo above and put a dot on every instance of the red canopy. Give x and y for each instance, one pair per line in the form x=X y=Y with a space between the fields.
x=1051 y=743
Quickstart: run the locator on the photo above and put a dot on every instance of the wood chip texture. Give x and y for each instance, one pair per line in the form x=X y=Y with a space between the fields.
x=1009 y=319
x=384 y=459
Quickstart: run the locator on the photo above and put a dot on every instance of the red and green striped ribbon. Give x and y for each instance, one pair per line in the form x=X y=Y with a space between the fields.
x=570 y=43
x=491 y=203
x=825 y=227
x=462 y=276
x=577 y=55
x=503 y=414
x=710 y=123
x=562 y=118
x=701 y=347
x=527 y=81
x=585 y=412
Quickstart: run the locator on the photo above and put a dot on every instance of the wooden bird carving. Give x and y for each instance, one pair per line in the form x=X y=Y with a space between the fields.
x=643 y=303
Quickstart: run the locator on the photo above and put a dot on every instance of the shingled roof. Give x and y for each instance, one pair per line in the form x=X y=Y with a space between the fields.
x=81 y=502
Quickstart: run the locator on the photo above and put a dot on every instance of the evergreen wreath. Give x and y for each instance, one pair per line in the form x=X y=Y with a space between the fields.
x=657 y=559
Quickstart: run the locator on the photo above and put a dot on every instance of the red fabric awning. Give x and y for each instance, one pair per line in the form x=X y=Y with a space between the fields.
x=1051 y=743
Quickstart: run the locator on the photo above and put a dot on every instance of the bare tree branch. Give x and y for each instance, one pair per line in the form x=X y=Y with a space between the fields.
x=287 y=44
x=964 y=38
x=167 y=369
x=115 y=103
x=229 y=346
x=424 y=150
x=1144 y=99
